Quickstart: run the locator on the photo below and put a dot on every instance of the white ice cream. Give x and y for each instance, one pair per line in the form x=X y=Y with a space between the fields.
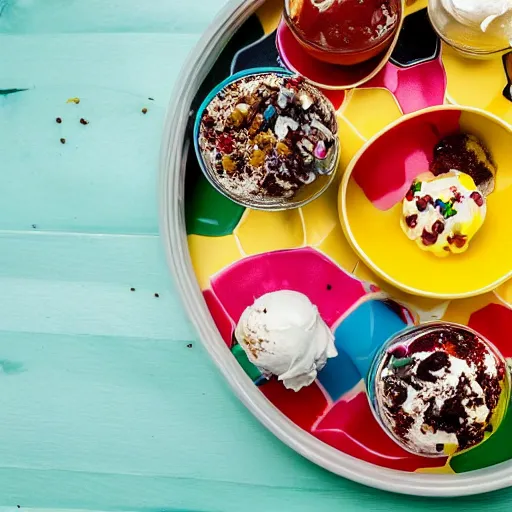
x=283 y=334
x=490 y=16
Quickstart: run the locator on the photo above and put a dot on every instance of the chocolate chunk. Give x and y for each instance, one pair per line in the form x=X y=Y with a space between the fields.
x=425 y=343
x=433 y=363
x=421 y=204
x=395 y=390
x=453 y=152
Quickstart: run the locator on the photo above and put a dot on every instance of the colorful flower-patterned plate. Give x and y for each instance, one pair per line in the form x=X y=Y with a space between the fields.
x=223 y=256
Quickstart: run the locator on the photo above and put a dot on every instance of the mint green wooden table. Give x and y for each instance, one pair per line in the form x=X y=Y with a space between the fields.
x=104 y=405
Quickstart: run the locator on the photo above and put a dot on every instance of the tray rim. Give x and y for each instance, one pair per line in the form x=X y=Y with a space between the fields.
x=171 y=192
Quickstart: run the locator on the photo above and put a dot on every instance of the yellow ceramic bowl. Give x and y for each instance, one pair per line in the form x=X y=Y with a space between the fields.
x=377 y=180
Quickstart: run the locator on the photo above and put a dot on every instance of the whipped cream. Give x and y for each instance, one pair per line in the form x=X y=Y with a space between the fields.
x=423 y=440
x=440 y=400
x=490 y=16
x=442 y=214
x=283 y=335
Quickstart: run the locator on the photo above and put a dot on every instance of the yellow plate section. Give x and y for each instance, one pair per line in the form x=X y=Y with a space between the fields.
x=336 y=246
x=504 y=293
x=270 y=14
x=260 y=231
x=380 y=103
x=210 y=255
x=487 y=79
x=445 y=470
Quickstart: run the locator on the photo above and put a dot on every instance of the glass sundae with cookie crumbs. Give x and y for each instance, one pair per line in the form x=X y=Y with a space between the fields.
x=439 y=389
x=268 y=140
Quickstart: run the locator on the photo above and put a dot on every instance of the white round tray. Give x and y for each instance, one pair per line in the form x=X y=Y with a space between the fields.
x=173 y=156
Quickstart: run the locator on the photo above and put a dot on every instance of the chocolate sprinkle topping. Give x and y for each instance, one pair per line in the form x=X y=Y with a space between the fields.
x=437 y=361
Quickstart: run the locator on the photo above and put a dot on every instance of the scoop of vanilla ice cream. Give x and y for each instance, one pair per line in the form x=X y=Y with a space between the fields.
x=491 y=16
x=283 y=334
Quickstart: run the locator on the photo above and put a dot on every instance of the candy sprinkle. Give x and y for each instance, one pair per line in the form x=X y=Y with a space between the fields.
x=269 y=113
x=400 y=363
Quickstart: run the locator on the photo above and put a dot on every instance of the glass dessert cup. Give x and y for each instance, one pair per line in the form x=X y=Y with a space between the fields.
x=469 y=41
x=397 y=347
x=307 y=193
x=349 y=56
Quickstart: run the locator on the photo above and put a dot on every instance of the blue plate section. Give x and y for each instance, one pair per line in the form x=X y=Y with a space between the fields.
x=357 y=339
x=339 y=375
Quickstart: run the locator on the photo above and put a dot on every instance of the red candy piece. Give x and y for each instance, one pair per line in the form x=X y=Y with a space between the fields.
x=225 y=143
x=438 y=227
x=295 y=82
x=477 y=197
x=421 y=204
x=428 y=238
x=411 y=221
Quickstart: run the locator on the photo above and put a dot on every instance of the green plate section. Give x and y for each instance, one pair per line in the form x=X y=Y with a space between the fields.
x=209 y=213
x=244 y=362
x=497 y=449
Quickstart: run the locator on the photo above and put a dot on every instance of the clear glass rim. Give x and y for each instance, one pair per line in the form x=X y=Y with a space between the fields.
x=371 y=380
x=467 y=50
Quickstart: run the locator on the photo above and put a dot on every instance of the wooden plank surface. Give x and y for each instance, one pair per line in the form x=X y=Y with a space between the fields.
x=104 y=404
